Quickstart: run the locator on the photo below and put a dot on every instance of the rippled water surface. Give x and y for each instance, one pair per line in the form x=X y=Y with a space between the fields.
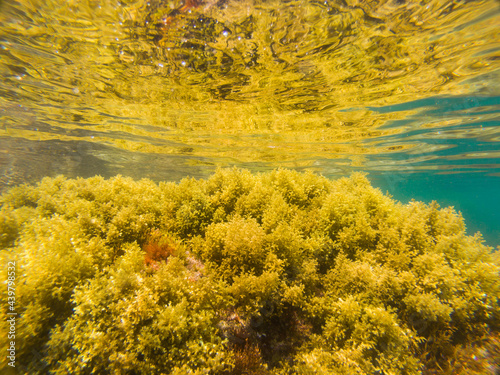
x=407 y=91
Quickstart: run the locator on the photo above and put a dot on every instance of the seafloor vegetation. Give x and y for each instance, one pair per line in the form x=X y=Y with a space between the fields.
x=279 y=273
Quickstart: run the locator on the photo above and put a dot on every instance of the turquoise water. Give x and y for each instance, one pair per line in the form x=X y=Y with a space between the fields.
x=475 y=196
x=466 y=166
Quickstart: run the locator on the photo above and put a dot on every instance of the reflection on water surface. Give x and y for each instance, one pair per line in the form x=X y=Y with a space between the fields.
x=166 y=89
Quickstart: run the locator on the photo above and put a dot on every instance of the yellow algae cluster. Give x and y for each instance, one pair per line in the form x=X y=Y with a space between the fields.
x=276 y=273
x=234 y=81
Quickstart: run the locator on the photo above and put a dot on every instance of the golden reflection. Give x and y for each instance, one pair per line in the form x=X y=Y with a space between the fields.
x=237 y=81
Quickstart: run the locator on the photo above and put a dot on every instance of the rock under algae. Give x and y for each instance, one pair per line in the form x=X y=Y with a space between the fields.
x=278 y=273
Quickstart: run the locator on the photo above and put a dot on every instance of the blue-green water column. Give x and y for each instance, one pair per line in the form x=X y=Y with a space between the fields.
x=476 y=196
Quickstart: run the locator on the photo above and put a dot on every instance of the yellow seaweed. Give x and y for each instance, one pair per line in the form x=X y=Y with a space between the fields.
x=275 y=273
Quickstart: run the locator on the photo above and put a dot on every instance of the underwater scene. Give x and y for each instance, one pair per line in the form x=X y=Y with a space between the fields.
x=258 y=187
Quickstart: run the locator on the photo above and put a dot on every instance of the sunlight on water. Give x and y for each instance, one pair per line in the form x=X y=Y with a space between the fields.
x=165 y=89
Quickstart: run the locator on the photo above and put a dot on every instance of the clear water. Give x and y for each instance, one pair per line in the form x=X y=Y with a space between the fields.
x=405 y=91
